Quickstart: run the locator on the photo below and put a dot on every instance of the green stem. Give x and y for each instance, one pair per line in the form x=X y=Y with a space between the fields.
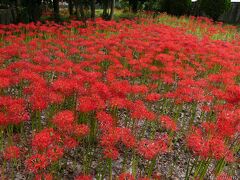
x=10 y=133
x=202 y=168
x=93 y=130
x=110 y=168
x=187 y=175
x=219 y=167
x=178 y=111
x=153 y=130
x=83 y=118
x=134 y=165
x=12 y=170
x=193 y=112
x=38 y=119
x=1 y=139
x=189 y=172
x=151 y=167
x=205 y=168
x=199 y=165
x=124 y=161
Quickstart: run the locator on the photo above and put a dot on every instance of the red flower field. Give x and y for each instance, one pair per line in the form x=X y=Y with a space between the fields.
x=140 y=99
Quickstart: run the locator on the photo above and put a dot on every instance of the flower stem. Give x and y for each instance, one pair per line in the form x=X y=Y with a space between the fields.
x=152 y=164
x=110 y=168
x=134 y=165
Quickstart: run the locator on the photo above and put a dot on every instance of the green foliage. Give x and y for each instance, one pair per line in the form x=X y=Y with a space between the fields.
x=214 y=8
x=5 y=3
x=177 y=7
x=123 y=4
x=153 y=5
x=125 y=15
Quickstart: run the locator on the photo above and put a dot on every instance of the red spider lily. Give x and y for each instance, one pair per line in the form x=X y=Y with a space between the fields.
x=15 y=110
x=111 y=152
x=36 y=162
x=81 y=130
x=120 y=103
x=4 y=82
x=212 y=146
x=65 y=86
x=223 y=176
x=69 y=143
x=110 y=137
x=105 y=120
x=64 y=121
x=139 y=89
x=139 y=111
x=11 y=152
x=39 y=99
x=189 y=94
x=90 y=103
x=153 y=97
x=206 y=108
x=115 y=135
x=54 y=153
x=3 y=119
x=168 y=123
x=45 y=139
x=120 y=88
x=55 y=98
x=227 y=123
x=233 y=94
x=149 y=149
x=156 y=176
x=44 y=176
x=83 y=177
x=126 y=176
x=127 y=138
x=101 y=89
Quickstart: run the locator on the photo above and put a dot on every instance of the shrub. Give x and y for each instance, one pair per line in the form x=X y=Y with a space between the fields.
x=125 y=15
x=214 y=8
x=177 y=7
x=153 y=5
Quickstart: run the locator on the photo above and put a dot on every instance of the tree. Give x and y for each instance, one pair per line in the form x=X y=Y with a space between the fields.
x=133 y=5
x=105 y=8
x=112 y=6
x=152 y=5
x=79 y=5
x=177 y=7
x=93 y=16
x=108 y=4
x=70 y=7
x=56 y=10
x=215 y=8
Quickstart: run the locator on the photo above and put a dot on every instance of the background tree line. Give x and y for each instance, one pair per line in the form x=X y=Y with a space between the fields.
x=31 y=10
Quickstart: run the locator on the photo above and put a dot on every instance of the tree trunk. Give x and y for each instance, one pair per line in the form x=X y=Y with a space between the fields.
x=80 y=10
x=56 y=10
x=70 y=7
x=105 y=8
x=134 y=5
x=36 y=10
x=6 y=16
x=112 y=9
x=76 y=4
x=81 y=6
x=93 y=16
